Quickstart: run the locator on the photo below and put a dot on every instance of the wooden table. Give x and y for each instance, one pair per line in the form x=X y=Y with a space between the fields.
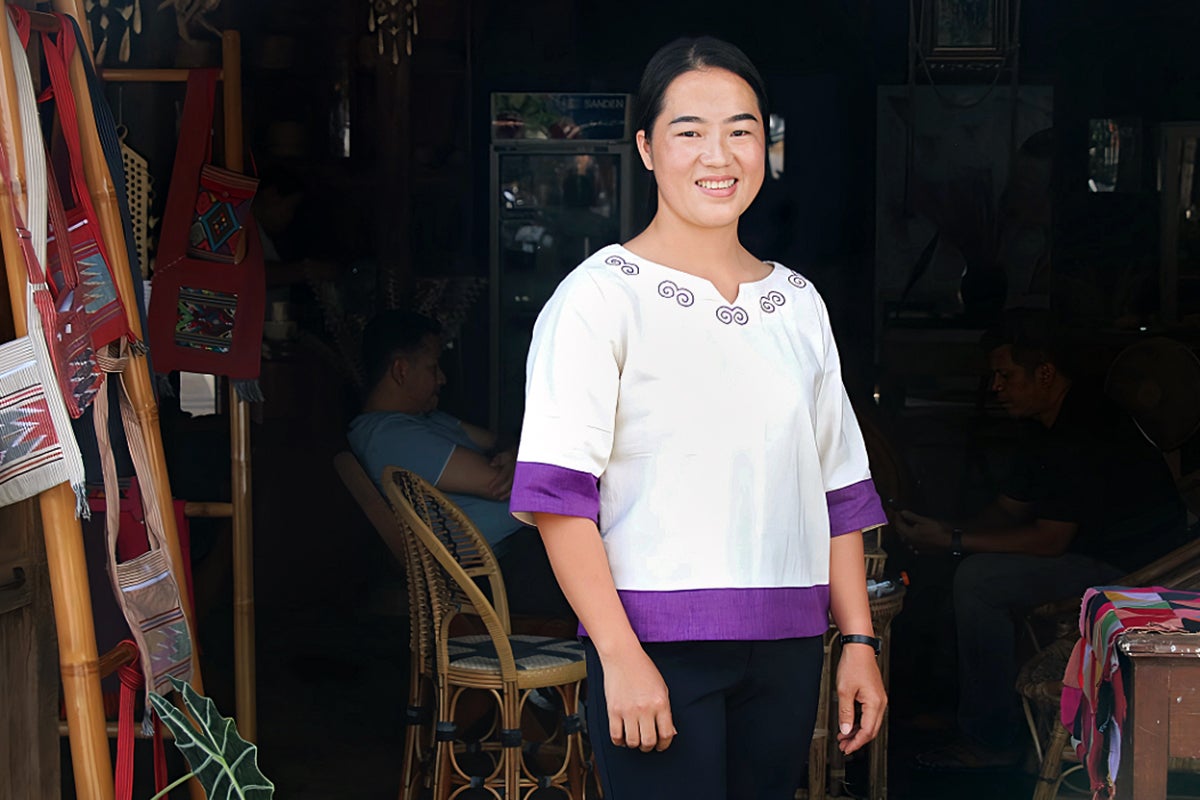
x=1163 y=719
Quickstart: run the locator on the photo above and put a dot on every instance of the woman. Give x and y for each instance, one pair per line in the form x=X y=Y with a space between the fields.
x=693 y=464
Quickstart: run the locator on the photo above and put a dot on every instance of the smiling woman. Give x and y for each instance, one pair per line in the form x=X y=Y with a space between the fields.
x=695 y=469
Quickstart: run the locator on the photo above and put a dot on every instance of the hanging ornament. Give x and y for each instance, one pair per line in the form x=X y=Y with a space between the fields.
x=115 y=23
x=139 y=187
x=189 y=13
x=391 y=19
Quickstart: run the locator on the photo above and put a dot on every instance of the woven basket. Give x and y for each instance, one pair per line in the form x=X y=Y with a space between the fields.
x=874 y=554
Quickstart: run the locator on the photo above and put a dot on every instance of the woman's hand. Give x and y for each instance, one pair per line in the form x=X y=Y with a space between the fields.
x=639 y=710
x=858 y=680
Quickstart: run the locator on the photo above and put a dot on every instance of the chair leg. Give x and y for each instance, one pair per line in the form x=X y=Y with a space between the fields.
x=510 y=720
x=412 y=770
x=576 y=774
x=1050 y=774
x=818 y=749
x=443 y=748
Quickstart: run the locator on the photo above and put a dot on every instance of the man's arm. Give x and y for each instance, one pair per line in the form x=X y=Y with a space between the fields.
x=1001 y=529
x=482 y=437
x=467 y=472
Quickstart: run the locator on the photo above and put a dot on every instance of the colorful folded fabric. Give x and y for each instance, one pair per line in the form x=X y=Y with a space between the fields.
x=1094 y=699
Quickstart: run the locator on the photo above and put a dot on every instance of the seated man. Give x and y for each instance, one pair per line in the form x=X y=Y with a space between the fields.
x=401 y=426
x=1088 y=499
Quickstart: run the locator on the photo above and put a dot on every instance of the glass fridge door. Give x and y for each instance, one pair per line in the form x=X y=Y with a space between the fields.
x=551 y=209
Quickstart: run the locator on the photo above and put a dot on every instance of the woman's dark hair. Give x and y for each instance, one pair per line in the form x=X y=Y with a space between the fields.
x=687 y=55
x=682 y=56
x=391 y=334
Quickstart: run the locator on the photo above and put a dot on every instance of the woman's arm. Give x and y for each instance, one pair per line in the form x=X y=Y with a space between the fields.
x=858 y=678
x=639 y=710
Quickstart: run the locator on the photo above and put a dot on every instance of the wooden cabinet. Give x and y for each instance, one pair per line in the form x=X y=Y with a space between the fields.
x=29 y=744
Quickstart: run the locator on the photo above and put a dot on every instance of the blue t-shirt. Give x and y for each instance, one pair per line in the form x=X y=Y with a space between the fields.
x=422 y=443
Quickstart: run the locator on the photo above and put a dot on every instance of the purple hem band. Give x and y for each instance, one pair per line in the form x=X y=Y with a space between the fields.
x=727 y=614
x=854 y=508
x=551 y=489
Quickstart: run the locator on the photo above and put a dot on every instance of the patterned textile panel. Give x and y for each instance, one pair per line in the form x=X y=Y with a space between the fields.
x=205 y=320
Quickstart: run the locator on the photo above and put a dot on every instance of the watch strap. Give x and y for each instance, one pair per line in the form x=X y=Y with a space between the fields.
x=860 y=638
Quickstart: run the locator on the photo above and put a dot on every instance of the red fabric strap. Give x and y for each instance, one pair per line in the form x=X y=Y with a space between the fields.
x=132 y=681
x=195 y=136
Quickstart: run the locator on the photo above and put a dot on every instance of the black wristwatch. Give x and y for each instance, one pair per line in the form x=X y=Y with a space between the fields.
x=860 y=638
x=956 y=545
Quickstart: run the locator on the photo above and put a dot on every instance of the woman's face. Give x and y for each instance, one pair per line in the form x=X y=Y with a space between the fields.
x=707 y=148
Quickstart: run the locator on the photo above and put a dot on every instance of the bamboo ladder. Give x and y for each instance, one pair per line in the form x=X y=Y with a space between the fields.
x=79 y=661
x=240 y=509
x=78 y=658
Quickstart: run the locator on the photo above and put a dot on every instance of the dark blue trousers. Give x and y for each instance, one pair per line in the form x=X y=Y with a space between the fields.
x=744 y=712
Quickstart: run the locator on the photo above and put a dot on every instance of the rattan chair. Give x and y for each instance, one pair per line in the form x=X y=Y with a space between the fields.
x=416 y=772
x=455 y=561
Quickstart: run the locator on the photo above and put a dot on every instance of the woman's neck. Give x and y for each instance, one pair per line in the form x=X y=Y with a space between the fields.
x=712 y=253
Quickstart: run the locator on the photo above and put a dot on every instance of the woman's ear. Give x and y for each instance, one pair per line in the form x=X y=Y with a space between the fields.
x=643 y=146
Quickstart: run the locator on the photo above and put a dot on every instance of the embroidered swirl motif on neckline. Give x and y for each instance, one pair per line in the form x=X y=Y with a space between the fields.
x=771 y=301
x=728 y=315
x=627 y=267
x=669 y=289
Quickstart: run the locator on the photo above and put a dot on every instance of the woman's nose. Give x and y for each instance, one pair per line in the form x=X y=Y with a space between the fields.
x=717 y=151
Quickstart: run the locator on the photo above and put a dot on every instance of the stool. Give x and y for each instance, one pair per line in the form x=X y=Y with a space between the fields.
x=824 y=758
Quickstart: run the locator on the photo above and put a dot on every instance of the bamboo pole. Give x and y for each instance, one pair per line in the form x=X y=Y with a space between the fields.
x=119 y=75
x=239 y=441
x=137 y=375
x=77 y=656
x=239 y=418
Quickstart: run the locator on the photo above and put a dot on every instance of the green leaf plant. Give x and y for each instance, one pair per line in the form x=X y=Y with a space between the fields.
x=225 y=764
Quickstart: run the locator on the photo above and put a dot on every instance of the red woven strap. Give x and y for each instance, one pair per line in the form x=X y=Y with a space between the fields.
x=62 y=236
x=132 y=682
x=58 y=51
x=195 y=136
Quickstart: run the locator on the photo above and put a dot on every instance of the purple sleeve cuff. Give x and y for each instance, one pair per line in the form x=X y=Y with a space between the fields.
x=854 y=508
x=550 y=489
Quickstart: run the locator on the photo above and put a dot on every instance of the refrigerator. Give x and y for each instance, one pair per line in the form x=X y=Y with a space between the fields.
x=553 y=203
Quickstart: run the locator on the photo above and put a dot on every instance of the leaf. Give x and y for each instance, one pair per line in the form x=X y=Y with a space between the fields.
x=225 y=764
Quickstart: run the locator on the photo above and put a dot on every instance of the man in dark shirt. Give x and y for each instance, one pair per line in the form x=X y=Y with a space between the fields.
x=1089 y=498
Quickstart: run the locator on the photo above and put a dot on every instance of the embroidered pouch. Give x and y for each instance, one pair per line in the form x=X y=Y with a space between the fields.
x=206 y=317
x=99 y=304
x=31 y=455
x=145 y=585
x=218 y=231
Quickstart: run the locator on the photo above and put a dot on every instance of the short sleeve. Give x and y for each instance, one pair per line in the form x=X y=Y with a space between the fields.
x=849 y=491
x=405 y=444
x=571 y=389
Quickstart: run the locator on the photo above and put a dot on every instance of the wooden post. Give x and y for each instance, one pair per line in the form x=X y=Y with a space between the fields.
x=393 y=186
x=78 y=659
x=239 y=442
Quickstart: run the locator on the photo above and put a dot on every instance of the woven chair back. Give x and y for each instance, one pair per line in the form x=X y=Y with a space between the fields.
x=403 y=547
x=455 y=559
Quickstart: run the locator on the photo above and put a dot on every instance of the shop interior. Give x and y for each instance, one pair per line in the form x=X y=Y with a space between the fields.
x=932 y=165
